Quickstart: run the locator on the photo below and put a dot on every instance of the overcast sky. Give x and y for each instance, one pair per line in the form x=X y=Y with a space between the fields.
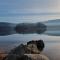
x=9 y=9
x=29 y=6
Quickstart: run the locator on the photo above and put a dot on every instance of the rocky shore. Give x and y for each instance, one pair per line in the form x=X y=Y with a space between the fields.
x=31 y=51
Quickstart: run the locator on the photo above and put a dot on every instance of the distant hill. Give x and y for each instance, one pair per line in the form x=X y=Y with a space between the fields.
x=6 y=28
x=52 y=21
x=26 y=28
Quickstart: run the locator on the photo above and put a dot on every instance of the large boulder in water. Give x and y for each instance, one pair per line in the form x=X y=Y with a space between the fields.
x=31 y=51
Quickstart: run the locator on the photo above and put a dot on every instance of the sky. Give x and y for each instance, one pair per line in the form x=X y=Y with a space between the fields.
x=15 y=11
x=18 y=7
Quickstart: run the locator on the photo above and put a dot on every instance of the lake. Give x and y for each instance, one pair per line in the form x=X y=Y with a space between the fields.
x=52 y=43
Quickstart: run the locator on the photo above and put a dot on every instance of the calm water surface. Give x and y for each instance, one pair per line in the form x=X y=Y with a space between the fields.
x=52 y=43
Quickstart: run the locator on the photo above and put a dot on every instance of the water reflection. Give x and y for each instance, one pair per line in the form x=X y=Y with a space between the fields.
x=22 y=28
x=6 y=28
x=49 y=27
x=53 y=27
x=28 y=28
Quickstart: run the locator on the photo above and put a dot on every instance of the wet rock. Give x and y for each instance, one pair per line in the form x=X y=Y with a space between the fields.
x=27 y=57
x=34 y=57
x=31 y=51
x=39 y=44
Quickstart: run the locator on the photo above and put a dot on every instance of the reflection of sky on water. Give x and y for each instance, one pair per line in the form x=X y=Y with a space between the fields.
x=52 y=50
